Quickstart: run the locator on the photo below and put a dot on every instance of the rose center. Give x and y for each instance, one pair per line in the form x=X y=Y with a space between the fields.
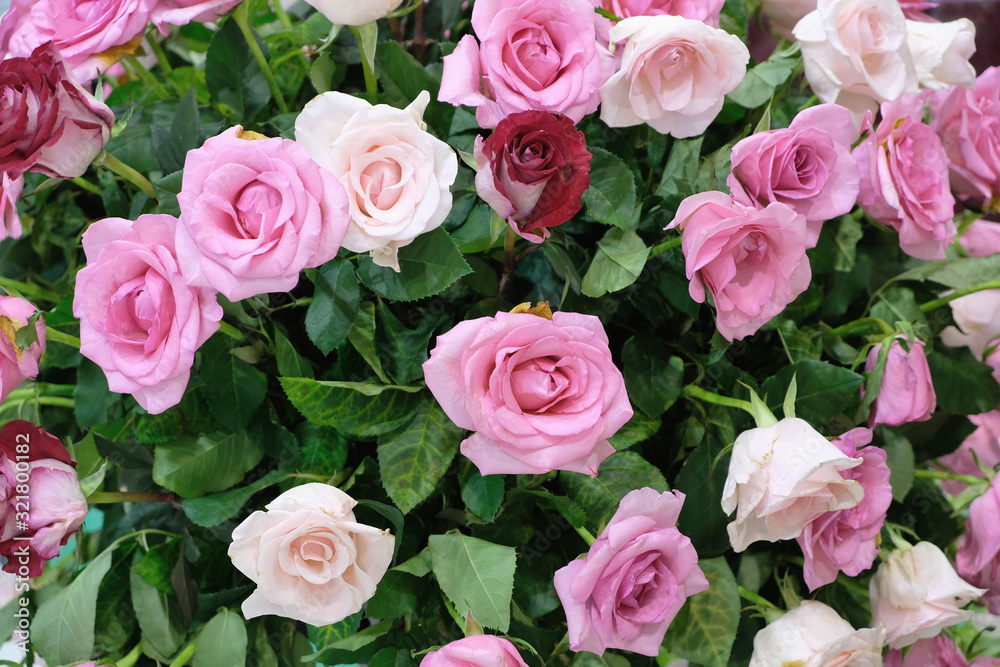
x=316 y=558
x=537 y=384
x=751 y=249
x=257 y=204
x=536 y=56
x=380 y=181
x=133 y=310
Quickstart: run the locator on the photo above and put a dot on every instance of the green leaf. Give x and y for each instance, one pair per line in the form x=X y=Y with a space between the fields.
x=192 y=466
x=956 y=273
x=681 y=171
x=362 y=337
x=412 y=461
x=234 y=389
x=171 y=146
x=653 y=378
x=212 y=510
x=619 y=473
x=611 y=196
x=962 y=384
x=327 y=634
x=702 y=479
x=159 y=616
x=232 y=74
x=353 y=408
x=899 y=455
x=222 y=642
x=396 y=595
x=475 y=575
x=406 y=348
x=324 y=450
x=760 y=82
x=636 y=430
x=824 y=390
x=290 y=362
x=846 y=239
x=620 y=257
x=334 y=307
x=92 y=400
x=93 y=482
x=155 y=566
x=482 y=495
x=427 y=266
x=349 y=648
x=705 y=629
x=403 y=78
x=63 y=626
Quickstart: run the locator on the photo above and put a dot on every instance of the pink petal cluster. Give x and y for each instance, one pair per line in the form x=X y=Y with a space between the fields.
x=706 y=11
x=10 y=192
x=182 y=12
x=807 y=166
x=981 y=238
x=939 y=651
x=635 y=578
x=978 y=557
x=904 y=179
x=847 y=540
x=907 y=392
x=978 y=318
x=983 y=445
x=751 y=261
x=140 y=321
x=537 y=55
x=540 y=394
x=475 y=651
x=814 y=635
x=254 y=213
x=16 y=364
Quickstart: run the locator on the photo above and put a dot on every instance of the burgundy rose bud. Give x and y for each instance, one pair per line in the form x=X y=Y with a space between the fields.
x=533 y=171
x=41 y=504
x=48 y=122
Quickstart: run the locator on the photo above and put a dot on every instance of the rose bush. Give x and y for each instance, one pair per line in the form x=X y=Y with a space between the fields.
x=308 y=555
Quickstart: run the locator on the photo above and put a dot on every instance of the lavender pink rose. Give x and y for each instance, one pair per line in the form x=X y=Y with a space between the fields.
x=17 y=364
x=978 y=556
x=475 y=651
x=907 y=392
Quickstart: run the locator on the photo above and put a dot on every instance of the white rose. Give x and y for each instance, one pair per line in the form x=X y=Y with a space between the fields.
x=353 y=12
x=941 y=53
x=396 y=174
x=814 y=635
x=978 y=317
x=917 y=593
x=782 y=476
x=674 y=75
x=311 y=560
x=855 y=53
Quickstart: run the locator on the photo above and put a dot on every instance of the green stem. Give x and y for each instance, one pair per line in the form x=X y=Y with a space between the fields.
x=371 y=84
x=695 y=391
x=81 y=182
x=863 y=324
x=184 y=655
x=129 y=174
x=283 y=18
x=111 y=497
x=665 y=246
x=56 y=336
x=942 y=474
x=231 y=331
x=25 y=290
x=957 y=294
x=242 y=18
x=131 y=658
x=756 y=599
x=147 y=77
x=161 y=57
x=585 y=534
x=41 y=389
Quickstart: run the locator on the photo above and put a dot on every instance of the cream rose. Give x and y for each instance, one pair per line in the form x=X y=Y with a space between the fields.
x=814 y=635
x=941 y=53
x=396 y=174
x=311 y=560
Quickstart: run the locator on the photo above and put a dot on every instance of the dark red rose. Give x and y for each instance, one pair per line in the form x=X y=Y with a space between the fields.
x=48 y=122
x=533 y=171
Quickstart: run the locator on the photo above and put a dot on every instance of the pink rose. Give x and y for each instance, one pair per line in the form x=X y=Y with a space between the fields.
x=48 y=122
x=968 y=122
x=978 y=556
x=981 y=238
x=982 y=444
x=904 y=179
x=847 y=540
x=55 y=506
x=906 y=393
x=541 y=394
x=534 y=55
x=782 y=477
x=814 y=635
x=939 y=651
x=310 y=558
x=16 y=364
x=10 y=192
x=978 y=318
x=182 y=12
x=254 y=213
x=807 y=166
x=91 y=36
x=752 y=261
x=139 y=319
x=707 y=12
x=533 y=171
x=354 y=13
x=674 y=75
x=855 y=52
x=916 y=593
x=634 y=579
x=475 y=651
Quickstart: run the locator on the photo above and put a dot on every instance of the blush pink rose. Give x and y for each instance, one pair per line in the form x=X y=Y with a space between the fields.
x=814 y=635
x=968 y=122
x=707 y=12
x=807 y=166
x=981 y=238
x=906 y=393
x=48 y=122
x=939 y=651
x=475 y=651
x=32 y=532
x=847 y=540
x=978 y=318
x=16 y=364
x=674 y=75
x=354 y=13
x=751 y=261
x=978 y=556
x=182 y=12
x=634 y=580
x=532 y=55
x=782 y=477
x=904 y=179
x=917 y=593
x=139 y=319
x=254 y=213
x=983 y=445
x=540 y=394
x=310 y=558
x=10 y=192
x=91 y=36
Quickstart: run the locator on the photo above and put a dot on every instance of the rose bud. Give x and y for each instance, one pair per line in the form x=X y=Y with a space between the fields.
x=906 y=393
x=16 y=364
x=475 y=651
